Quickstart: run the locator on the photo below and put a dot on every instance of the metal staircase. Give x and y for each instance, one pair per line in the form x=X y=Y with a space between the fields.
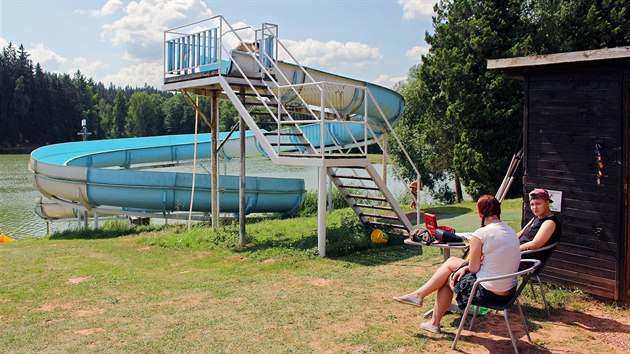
x=286 y=111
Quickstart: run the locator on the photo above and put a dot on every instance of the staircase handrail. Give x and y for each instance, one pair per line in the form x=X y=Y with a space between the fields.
x=323 y=85
x=221 y=44
x=391 y=129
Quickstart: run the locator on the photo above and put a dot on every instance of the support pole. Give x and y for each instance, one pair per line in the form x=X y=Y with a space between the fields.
x=242 y=236
x=321 y=212
x=214 y=122
x=384 y=157
x=330 y=195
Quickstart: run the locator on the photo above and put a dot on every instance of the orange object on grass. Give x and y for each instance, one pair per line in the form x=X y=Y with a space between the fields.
x=5 y=238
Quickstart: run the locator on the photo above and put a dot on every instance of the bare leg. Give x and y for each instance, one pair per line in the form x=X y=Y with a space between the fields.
x=443 y=300
x=439 y=279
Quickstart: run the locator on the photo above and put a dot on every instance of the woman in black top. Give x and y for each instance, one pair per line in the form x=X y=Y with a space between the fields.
x=544 y=229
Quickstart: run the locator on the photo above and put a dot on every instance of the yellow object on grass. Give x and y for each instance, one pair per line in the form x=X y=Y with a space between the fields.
x=378 y=236
x=5 y=238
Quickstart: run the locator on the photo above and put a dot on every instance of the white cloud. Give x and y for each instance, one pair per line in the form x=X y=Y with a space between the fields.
x=141 y=27
x=416 y=8
x=329 y=54
x=48 y=59
x=3 y=42
x=388 y=81
x=88 y=68
x=137 y=75
x=415 y=52
x=245 y=32
x=110 y=7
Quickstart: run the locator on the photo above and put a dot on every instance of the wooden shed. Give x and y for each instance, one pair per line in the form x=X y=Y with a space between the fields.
x=575 y=126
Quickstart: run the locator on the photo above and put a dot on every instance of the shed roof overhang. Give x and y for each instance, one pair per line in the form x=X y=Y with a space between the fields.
x=516 y=67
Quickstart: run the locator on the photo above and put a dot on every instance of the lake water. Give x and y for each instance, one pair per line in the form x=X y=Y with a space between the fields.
x=17 y=194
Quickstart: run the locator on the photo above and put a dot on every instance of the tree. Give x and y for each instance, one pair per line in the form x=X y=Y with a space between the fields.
x=119 y=116
x=411 y=129
x=88 y=102
x=144 y=117
x=178 y=115
x=470 y=117
x=557 y=26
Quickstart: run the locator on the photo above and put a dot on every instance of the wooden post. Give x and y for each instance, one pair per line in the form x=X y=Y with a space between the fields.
x=215 y=159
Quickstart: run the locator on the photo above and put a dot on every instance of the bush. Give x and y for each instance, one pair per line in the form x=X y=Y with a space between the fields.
x=349 y=236
x=309 y=207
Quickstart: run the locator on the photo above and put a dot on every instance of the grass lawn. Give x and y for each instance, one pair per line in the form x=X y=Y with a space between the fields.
x=173 y=290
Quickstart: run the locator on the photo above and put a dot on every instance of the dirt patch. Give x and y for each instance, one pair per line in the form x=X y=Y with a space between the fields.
x=601 y=325
x=87 y=331
x=321 y=282
x=89 y=312
x=191 y=300
x=145 y=248
x=567 y=331
x=75 y=281
x=53 y=307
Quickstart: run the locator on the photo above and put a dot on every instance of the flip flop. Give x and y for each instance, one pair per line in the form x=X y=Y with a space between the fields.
x=409 y=300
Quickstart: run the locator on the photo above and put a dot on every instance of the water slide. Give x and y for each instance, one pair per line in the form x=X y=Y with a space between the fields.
x=95 y=175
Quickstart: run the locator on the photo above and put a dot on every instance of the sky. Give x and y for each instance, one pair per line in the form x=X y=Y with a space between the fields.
x=121 y=42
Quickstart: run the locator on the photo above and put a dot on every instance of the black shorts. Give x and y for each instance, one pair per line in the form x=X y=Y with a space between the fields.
x=483 y=297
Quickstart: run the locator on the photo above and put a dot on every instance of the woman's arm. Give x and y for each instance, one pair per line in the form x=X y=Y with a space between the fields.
x=474 y=261
x=520 y=233
x=542 y=236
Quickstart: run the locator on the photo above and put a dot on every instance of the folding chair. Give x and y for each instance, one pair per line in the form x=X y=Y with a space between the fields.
x=549 y=248
x=526 y=274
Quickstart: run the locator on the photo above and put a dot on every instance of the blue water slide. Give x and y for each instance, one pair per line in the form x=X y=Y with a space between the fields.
x=93 y=174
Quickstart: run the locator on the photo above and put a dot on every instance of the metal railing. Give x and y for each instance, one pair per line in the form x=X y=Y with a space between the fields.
x=190 y=50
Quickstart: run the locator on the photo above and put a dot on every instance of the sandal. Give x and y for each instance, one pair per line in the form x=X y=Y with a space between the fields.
x=409 y=300
x=427 y=326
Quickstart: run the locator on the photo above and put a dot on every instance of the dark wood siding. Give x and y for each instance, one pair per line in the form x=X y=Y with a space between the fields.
x=570 y=109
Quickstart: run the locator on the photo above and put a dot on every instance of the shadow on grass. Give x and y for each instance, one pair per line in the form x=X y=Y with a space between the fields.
x=341 y=246
x=99 y=234
x=494 y=323
x=381 y=255
x=589 y=322
x=448 y=210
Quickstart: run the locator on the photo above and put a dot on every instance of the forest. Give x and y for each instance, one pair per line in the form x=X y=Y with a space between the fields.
x=39 y=108
x=461 y=121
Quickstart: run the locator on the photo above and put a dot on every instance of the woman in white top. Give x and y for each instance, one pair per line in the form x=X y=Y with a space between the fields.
x=494 y=251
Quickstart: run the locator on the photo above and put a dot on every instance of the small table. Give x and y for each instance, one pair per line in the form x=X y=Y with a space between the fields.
x=446 y=249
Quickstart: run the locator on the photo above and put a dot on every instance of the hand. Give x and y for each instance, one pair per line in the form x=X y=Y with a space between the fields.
x=457 y=276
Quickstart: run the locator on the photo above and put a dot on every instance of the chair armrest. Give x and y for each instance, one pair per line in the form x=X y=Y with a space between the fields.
x=535 y=264
x=548 y=247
